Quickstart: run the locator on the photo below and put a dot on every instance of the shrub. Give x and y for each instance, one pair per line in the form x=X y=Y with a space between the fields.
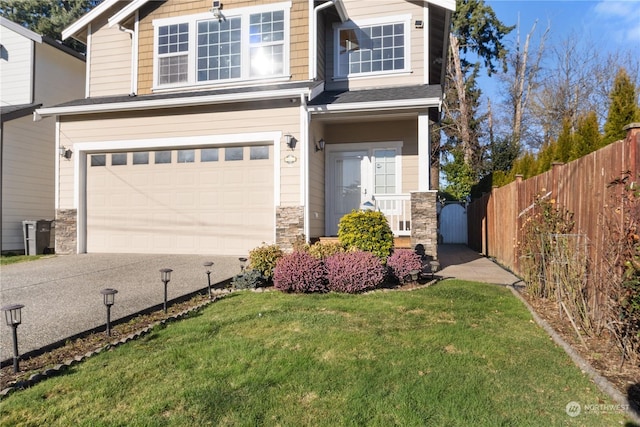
x=324 y=250
x=249 y=279
x=368 y=231
x=299 y=272
x=264 y=258
x=402 y=261
x=354 y=272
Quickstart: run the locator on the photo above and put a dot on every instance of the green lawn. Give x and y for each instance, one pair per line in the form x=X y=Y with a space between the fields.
x=455 y=354
x=13 y=259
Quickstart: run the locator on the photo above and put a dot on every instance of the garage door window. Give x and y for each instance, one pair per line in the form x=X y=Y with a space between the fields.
x=118 y=159
x=209 y=155
x=99 y=160
x=186 y=156
x=259 y=153
x=141 y=158
x=232 y=154
x=163 y=157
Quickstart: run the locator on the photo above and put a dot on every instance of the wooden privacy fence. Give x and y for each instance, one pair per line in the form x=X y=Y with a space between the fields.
x=495 y=221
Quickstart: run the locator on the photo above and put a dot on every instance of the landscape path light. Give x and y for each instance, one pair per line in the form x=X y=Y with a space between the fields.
x=242 y=260
x=13 y=316
x=165 y=275
x=109 y=297
x=207 y=266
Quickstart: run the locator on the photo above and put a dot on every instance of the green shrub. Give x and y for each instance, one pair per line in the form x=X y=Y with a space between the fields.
x=264 y=258
x=249 y=279
x=368 y=231
x=321 y=250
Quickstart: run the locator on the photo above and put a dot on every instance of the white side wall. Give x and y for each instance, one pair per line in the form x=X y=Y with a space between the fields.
x=27 y=176
x=59 y=76
x=15 y=68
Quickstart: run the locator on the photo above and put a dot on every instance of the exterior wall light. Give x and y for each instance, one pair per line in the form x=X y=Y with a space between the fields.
x=65 y=152
x=320 y=145
x=13 y=316
x=291 y=141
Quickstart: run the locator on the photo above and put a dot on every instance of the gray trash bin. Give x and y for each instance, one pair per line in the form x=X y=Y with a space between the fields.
x=29 y=233
x=37 y=235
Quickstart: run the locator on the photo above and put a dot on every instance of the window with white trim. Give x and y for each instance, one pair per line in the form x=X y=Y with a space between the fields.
x=247 y=43
x=376 y=47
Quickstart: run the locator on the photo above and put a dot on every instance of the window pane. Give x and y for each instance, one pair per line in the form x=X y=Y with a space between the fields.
x=219 y=47
x=173 y=69
x=233 y=153
x=266 y=38
x=259 y=153
x=99 y=160
x=141 y=158
x=163 y=157
x=118 y=159
x=362 y=49
x=173 y=38
x=209 y=155
x=186 y=156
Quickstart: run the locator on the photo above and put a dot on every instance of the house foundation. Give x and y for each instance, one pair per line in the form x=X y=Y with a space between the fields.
x=424 y=228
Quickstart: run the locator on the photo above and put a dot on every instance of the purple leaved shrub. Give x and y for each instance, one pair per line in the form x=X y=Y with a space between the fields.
x=402 y=261
x=299 y=272
x=354 y=272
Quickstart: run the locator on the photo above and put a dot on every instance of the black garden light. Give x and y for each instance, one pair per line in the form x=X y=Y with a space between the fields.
x=242 y=260
x=13 y=316
x=165 y=275
x=109 y=296
x=207 y=265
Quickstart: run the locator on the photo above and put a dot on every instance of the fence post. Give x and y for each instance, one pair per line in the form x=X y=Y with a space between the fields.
x=518 y=224
x=633 y=139
x=555 y=173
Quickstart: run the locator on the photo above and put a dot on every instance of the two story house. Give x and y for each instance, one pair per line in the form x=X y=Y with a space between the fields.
x=211 y=127
x=34 y=71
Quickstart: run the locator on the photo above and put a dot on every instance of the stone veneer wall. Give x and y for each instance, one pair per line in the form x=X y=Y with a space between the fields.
x=289 y=226
x=66 y=231
x=424 y=221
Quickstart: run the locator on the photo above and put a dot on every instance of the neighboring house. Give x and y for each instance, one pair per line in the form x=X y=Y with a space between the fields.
x=34 y=71
x=205 y=124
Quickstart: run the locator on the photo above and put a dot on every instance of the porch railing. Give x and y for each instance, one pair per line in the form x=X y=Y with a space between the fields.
x=397 y=209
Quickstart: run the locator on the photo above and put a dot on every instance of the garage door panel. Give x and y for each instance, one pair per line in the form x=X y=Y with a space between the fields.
x=219 y=207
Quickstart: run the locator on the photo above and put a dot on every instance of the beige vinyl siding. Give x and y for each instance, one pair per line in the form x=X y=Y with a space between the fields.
x=110 y=58
x=383 y=131
x=359 y=10
x=316 y=182
x=59 y=76
x=182 y=123
x=299 y=44
x=27 y=176
x=15 y=68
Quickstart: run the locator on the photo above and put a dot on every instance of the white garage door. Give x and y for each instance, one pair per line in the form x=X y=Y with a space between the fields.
x=187 y=201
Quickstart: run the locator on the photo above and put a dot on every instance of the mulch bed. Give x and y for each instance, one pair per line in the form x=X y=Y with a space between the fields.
x=600 y=351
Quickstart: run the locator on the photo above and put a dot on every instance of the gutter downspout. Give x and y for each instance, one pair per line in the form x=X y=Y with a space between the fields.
x=304 y=134
x=314 y=37
x=131 y=33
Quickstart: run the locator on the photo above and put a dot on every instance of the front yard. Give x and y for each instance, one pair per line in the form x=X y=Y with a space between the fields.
x=457 y=353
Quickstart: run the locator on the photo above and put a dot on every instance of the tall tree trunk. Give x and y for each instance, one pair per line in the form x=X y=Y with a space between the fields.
x=458 y=80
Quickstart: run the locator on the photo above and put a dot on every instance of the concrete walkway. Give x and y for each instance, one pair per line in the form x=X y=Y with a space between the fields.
x=460 y=262
x=62 y=296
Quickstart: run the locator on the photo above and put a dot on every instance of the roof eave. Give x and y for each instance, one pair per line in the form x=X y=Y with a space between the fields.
x=355 y=107
x=155 y=104
x=82 y=23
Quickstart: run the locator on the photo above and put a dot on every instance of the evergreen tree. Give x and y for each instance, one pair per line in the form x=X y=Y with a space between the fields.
x=562 y=152
x=545 y=157
x=587 y=137
x=47 y=17
x=624 y=107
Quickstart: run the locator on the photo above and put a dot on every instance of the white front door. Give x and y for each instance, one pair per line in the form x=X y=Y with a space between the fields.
x=348 y=185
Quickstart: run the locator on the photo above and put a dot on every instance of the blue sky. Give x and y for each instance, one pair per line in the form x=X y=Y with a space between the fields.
x=608 y=24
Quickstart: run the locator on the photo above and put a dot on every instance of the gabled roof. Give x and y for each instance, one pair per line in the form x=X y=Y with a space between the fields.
x=17 y=28
x=79 y=25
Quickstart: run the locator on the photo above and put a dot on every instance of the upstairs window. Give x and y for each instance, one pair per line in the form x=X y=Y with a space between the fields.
x=372 y=48
x=247 y=43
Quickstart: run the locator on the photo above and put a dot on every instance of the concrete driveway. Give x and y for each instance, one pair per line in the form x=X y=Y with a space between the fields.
x=61 y=294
